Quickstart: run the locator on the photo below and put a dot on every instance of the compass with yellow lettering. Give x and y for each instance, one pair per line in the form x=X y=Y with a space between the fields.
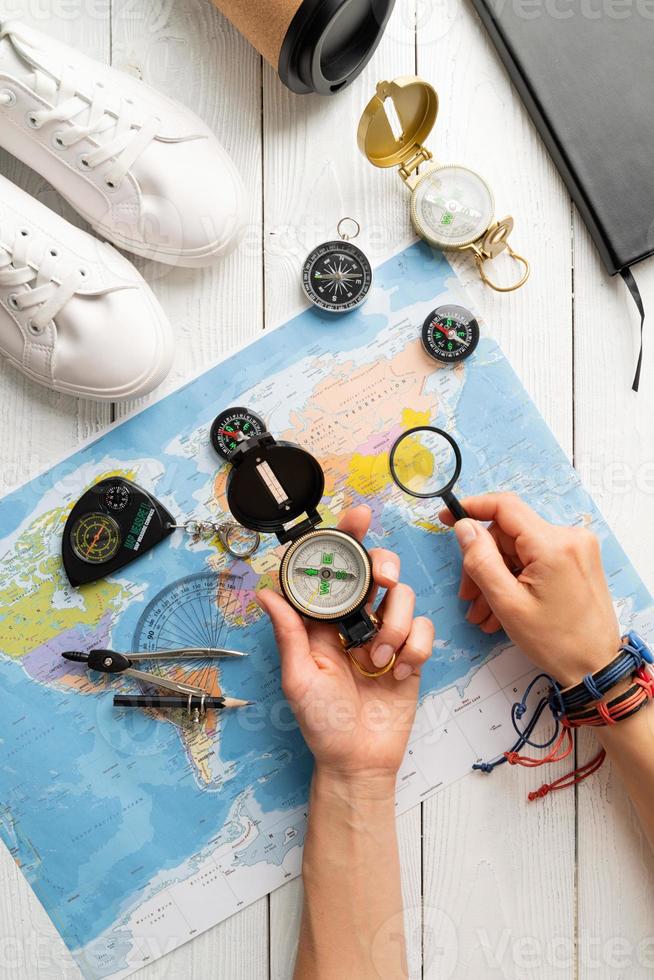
x=96 y=538
x=452 y=207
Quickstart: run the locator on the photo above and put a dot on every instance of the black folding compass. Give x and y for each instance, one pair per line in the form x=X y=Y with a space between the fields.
x=326 y=573
x=450 y=334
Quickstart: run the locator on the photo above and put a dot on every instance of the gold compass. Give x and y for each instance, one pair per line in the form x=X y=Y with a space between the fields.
x=452 y=206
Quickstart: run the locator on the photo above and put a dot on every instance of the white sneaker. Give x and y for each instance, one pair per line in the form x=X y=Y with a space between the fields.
x=75 y=315
x=145 y=172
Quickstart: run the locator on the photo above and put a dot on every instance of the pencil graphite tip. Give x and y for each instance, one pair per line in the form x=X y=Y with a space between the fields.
x=236 y=703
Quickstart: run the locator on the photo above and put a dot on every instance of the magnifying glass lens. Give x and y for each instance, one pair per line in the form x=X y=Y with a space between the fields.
x=425 y=463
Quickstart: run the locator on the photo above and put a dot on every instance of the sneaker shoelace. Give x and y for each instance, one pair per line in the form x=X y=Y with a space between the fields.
x=120 y=137
x=47 y=293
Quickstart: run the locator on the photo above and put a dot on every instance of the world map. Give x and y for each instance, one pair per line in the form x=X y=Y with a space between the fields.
x=139 y=829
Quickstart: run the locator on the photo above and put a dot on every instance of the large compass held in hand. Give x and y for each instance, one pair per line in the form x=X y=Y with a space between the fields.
x=326 y=574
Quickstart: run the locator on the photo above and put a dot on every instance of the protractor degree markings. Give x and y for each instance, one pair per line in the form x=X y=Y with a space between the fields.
x=172 y=637
x=207 y=614
x=188 y=612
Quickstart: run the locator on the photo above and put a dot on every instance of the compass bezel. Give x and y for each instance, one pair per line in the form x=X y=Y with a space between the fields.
x=287 y=589
x=108 y=522
x=428 y=232
x=219 y=421
x=336 y=245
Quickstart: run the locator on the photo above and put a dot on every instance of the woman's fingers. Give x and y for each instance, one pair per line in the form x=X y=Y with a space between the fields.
x=356 y=521
x=397 y=612
x=468 y=590
x=298 y=666
x=416 y=650
x=491 y=625
x=385 y=567
x=478 y=611
x=510 y=512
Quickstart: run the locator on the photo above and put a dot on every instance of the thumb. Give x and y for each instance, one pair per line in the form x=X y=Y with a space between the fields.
x=485 y=565
x=292 y=641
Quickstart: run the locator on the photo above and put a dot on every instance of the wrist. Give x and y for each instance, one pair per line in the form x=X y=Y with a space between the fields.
x=573 y=669
x=361 y=786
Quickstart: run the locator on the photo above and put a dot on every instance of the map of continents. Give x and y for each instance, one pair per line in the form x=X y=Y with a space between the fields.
x=138 y=830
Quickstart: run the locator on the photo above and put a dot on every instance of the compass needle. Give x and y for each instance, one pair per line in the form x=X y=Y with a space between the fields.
x=450 y=334
x=233 y=427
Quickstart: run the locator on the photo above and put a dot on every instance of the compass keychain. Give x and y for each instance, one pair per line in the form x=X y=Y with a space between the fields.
x=337 y=276
x=452 y=207
x=450 y=334
x=116 y=521
x=326 y=573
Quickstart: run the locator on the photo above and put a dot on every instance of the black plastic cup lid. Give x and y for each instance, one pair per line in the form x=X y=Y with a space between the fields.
x=329 y=43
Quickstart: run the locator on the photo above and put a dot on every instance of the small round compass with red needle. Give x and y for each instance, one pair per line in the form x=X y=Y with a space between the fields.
x=450 y=334
x=232 y=427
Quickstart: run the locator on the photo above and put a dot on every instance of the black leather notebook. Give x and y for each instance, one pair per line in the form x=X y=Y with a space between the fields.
x=585 y=71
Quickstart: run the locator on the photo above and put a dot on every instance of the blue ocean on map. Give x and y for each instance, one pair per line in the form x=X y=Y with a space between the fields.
x=104 y=809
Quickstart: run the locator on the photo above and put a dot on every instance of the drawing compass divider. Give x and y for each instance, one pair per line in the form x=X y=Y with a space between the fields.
x=110 y=662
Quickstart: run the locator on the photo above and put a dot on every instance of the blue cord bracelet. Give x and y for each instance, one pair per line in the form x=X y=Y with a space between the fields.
x=633 y=653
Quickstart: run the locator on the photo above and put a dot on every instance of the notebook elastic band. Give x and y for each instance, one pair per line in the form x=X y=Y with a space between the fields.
x=632 y=286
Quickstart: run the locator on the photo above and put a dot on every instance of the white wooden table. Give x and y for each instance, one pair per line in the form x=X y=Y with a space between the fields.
x=495 y=888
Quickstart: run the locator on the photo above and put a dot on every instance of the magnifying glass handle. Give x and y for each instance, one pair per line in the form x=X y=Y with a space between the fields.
x=454 y=506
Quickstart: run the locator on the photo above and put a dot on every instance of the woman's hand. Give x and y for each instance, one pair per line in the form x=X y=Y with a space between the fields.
x=544 y=585
x=354 y=726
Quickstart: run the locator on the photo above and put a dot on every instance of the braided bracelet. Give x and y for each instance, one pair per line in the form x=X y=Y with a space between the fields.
x=632 y=655
x=580 y=706
x=621 y=707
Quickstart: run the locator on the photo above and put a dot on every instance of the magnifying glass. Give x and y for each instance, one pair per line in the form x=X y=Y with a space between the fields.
x=426 y=462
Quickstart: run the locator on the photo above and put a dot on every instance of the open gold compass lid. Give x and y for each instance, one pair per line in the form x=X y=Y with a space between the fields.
x=416 y=106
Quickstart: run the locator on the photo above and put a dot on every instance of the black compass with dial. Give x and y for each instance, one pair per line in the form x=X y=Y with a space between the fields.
x=117 y=496
x=337 y=275
x=450 y=334
x=232 y=427
x=112 y=524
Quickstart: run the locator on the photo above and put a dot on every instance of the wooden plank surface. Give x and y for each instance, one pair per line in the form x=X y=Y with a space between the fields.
x=505 y=887
x=489 y=881
x=37 y=427
x=614 y=452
